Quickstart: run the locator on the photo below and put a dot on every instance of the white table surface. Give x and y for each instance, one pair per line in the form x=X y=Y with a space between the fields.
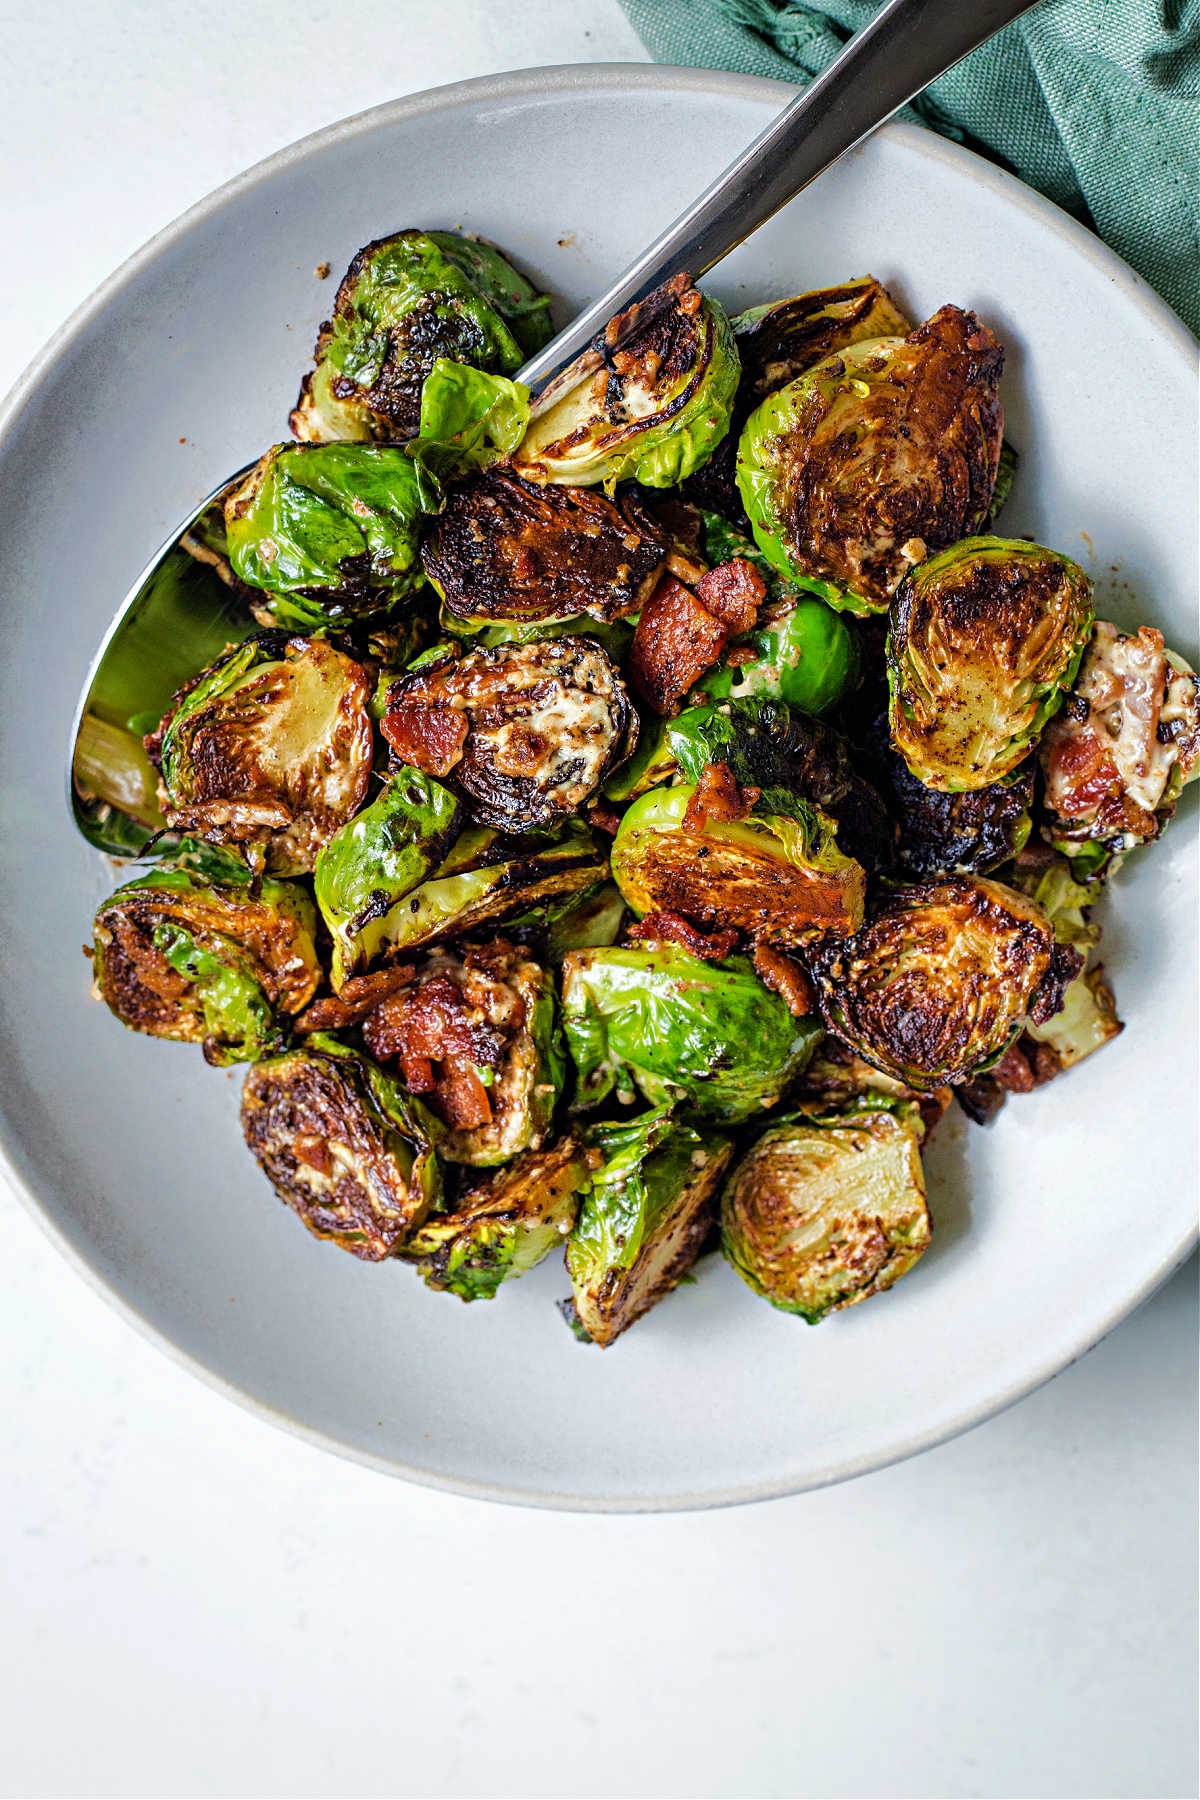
x=192 y=1603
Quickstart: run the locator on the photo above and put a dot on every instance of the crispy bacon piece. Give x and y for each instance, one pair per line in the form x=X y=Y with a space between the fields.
x=718 y=797
x=784 y=976
x=1014 y=1073
x=733 y=593
x=604 y=818
x=676 y=640
x=462 y=1100
x=360 y=996
x=429 y=738
x=672 y=927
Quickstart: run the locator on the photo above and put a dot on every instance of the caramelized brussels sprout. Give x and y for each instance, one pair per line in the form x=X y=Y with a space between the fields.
x=777 y=876
x=941 y=978
x=524 y=733
x=827 y=1210
x=207 y=958
x=985 y=640
x=652 y=411
x=876 y=458
x=643 y=1220
x=781 y=340
x=707 y=1035
x=269 y=750
x=343 y=1145
x=953 y=834
x=504 y=549
x=1117 y=756
x=505 y=1226
x=330 y=532
x=524 y=310
x=403 y=302
x=477 y=1037
x=1088 y=1019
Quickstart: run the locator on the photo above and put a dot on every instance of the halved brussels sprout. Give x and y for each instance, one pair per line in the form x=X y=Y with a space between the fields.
x=403 y=302
x=343 y=1145
x=643 y=1220
x=269 y=750
x=780 y=877
x=941 y=978
x=477 y=1036
x=827 y=1210
x=954 y=834
x=1117 y=756
x=836 y=1080
x=525 y=733
x=984 y=643
x=652 y=411
x=208 y=958
x=504 y=1227
x=504 y=549
x=782 y=339
x=330 y=532
x=876 y=458
x=524 y=310
x=1088 y=1019
x=707 y=1035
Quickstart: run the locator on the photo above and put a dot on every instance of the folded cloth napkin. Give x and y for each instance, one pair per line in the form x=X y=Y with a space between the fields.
x=1094 y=102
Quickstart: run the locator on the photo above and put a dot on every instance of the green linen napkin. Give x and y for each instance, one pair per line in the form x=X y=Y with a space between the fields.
x=1094 y=102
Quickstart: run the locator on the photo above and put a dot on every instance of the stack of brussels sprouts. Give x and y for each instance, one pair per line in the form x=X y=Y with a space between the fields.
x=619 y=832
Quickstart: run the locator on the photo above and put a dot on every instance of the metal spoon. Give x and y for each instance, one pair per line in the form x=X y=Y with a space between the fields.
x=178 y=615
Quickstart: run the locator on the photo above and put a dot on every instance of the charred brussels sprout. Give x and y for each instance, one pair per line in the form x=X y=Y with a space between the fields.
x=524 y=733
x=825 y=1211
x=652 y=411
x=330 y=532
x=269 y=750
x=504 y=549
x=941 y=979
x=343 y=1145
x=643 y=1219
x=1088 y=1019
x=1117 y=756
x=876 y=458
x=779 y=877
x=477 y=1036
x=708 y=1035
x=207 y=958
x=954 y=834
x=524 y=310
x=405 y=301
x=984 y=643
x=504 y=1227
x=781 y=340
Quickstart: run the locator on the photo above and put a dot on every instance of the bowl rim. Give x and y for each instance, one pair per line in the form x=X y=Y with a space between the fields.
x=530 y=84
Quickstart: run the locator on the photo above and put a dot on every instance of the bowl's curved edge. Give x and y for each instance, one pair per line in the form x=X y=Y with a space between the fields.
x=515 y=85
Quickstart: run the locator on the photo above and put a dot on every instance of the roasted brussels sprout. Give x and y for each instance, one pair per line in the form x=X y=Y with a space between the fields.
x=504 y=549
x=524 y=733
x=953 y=834
x=1117 y=756
x=829 y=1209
x=781 y=340
x=343 y=1145
x=777 y=876
x=329 y=532
x=403 y=302
x=477 y=1037
x=984 y=643
x=652 y=411
x=208 y=958
x=1088 y=1019
x=836 y=1080
x=941 y=978
x=269 y=750
x=505 y=1226
x=708 y=1035
x=469 y=420
x=876 y=458
x=643 y=1220
x=524 y=310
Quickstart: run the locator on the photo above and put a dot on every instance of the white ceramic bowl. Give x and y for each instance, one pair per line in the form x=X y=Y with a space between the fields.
x=1050 y=1226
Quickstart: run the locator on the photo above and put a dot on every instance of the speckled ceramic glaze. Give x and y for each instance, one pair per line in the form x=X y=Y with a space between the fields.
x=1049 y=1226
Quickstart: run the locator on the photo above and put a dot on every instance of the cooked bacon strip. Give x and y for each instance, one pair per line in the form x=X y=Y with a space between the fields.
x=604 y=819
x=360 y=996
x=462 y=1099
x=676 y=640
x=718 y=797
x=786 y=978
x=733 y=593
x=672 y=927
x=429 y=738
x=1014 y=1073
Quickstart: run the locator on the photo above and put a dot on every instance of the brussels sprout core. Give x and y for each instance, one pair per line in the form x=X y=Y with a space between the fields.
x=269 y=750
x=984 y=643
x=824 y=1212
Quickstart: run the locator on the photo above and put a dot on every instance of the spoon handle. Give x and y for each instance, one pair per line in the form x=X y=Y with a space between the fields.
x=907 y=45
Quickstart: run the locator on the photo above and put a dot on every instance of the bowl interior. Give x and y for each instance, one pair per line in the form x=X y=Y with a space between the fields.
x=1048 y=1226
